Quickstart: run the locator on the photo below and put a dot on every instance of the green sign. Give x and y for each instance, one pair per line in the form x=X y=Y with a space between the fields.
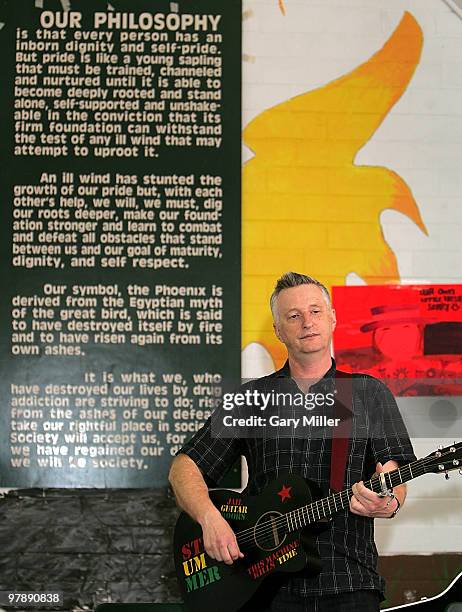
x=120 y=162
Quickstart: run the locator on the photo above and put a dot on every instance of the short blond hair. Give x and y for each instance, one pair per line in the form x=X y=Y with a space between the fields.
x=294 y=279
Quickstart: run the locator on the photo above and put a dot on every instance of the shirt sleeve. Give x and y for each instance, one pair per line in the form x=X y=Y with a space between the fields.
x=213 y=453
x=389 y=436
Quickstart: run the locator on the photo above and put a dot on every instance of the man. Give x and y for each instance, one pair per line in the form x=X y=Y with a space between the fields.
x=304 y=321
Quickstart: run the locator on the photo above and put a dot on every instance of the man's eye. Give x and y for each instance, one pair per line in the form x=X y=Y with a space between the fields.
x=294 y=316
x=315 y=311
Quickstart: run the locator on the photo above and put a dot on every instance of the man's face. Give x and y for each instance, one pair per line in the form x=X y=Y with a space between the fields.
x=305 y=322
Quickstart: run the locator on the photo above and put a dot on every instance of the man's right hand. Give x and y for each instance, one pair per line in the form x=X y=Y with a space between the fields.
x=219 y=539
x=192 y=495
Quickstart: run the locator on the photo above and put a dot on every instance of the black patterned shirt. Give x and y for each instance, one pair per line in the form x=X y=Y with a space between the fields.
x=347 y=548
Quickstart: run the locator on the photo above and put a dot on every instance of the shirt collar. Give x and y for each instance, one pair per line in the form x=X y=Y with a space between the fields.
x=284 y=372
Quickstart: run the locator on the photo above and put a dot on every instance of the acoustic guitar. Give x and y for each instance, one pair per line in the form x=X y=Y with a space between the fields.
x=274 y=530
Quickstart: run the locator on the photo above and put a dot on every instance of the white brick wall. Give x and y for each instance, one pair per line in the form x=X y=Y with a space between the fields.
x=421 y=139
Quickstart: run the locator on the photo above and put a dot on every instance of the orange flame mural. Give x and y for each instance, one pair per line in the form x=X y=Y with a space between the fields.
x=306 y=205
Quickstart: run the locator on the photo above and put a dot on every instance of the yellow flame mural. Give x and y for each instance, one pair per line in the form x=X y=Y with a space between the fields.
x=306 y=205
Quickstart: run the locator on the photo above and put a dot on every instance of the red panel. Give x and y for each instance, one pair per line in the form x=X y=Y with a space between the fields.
x=410 y=335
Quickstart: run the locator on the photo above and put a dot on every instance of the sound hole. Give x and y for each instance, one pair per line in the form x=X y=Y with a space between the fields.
x=269 y=532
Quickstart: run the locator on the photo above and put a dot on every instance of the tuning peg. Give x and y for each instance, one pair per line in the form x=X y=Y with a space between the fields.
x=440 y=447
x=446 y=475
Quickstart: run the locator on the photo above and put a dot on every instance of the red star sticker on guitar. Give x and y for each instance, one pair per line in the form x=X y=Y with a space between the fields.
x=284 y=493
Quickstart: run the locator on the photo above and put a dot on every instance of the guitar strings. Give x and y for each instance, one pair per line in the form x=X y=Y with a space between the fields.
x=267 y=527
x=282 y=521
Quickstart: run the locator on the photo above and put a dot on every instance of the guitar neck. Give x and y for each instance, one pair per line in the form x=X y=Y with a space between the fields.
x=328 y=506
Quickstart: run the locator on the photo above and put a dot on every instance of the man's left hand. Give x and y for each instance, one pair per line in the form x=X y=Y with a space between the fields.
x=367 y=503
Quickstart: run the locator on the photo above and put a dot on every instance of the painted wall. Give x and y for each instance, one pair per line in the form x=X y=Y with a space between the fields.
x=352 y=116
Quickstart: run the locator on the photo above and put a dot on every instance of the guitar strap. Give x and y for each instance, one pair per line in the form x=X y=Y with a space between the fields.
x=341 y=434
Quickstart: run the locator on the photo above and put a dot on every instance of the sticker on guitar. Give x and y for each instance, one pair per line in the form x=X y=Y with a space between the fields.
x=198 y=574
x=234 y=509
x=268 y=564
x=284 y=493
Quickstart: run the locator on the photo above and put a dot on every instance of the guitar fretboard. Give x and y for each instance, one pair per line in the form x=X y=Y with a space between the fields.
x=443 y=460
x=328 y=506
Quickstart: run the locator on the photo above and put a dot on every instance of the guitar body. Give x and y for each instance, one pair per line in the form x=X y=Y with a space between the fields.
x=260 y=526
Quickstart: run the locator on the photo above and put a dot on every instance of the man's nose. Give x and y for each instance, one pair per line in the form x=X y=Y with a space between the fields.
x=307 y=320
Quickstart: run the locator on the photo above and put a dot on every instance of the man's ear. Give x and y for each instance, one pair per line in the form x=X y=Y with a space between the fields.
x=334 y=319
x=276 y=331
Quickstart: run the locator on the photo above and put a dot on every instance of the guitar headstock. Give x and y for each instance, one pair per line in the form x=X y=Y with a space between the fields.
x=444 y=459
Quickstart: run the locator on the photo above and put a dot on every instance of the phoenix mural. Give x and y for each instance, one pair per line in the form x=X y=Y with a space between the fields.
x=307 y=206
